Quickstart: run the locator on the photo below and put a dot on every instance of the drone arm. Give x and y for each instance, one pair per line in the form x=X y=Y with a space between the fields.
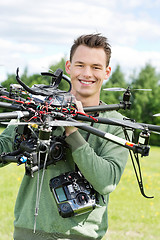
x=10 y=106
x=150 y=127
x=143 y=150
x=104 y=107
x=110 y=121
x=14 y=115
x=4 y=159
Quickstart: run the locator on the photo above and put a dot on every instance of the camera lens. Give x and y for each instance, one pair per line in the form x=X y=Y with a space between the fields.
x=56 y=151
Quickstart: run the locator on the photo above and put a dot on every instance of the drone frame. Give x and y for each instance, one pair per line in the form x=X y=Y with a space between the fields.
x=22 y=113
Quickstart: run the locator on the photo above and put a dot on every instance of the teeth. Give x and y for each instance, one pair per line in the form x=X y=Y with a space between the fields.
x=86 y=82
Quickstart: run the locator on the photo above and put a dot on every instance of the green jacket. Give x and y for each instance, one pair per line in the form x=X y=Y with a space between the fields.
x=100 y=161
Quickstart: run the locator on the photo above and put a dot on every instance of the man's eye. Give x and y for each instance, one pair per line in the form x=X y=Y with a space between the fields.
x=97 y=68
x=79 y=65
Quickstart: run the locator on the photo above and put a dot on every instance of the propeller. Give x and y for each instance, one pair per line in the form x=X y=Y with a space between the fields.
x=156 y=132
x=156 y=115
x=55 y=123
x=118 y=89
x=20 y=123
x=62 y=123
x=126 y=123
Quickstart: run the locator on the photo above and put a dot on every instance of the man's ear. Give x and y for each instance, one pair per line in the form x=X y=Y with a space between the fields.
x=67 y=66
x=108 y=72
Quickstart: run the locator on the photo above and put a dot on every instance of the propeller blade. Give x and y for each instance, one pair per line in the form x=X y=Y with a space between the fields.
x=126 y=123
x=156 y=115
x=155 y=132
x=62 y=123
x=20 y=123
x=116 y=89
x=138 y=89
x=54 y=123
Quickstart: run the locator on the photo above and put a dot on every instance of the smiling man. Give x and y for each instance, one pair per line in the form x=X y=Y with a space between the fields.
x=101 y=162
x=88 y=68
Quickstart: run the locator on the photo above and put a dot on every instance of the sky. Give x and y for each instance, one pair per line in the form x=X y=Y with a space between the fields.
x=36 y=34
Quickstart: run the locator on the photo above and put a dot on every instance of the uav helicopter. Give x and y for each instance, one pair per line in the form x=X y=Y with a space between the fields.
x=41 y=108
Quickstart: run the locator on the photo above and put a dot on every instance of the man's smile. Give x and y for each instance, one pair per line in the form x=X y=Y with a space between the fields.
x=84 y=82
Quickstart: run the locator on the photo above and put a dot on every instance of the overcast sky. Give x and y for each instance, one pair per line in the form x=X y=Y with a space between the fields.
x=36 y=34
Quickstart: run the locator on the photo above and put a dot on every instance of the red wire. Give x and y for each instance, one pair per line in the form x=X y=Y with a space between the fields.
x=84 y=114
x=7 y=98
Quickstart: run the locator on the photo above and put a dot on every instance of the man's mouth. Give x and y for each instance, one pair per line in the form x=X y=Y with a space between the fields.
x=86 y=82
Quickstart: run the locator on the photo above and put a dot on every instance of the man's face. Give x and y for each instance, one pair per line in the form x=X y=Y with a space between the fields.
x=87 y=71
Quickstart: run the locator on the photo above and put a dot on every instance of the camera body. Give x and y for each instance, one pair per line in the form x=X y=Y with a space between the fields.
x=73 y=194
x=30 y=147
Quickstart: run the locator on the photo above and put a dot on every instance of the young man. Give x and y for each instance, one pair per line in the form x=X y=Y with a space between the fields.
x=101 y=162
x=88 y=68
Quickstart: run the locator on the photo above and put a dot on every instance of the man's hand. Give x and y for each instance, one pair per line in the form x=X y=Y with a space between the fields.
x=70 y=130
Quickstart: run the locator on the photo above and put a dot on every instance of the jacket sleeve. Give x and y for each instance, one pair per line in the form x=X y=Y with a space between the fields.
x=102 y=170
x=7 y=140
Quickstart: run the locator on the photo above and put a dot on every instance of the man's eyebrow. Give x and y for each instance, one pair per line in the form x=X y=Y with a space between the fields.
x=94 y=64
x=79 y=62
x=97 y=65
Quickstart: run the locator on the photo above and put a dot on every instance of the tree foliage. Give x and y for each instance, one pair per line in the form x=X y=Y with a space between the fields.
x=147 y=100
x=146 y=103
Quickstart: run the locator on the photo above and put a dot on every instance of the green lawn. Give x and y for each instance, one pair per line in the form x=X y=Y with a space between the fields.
x=131 y=216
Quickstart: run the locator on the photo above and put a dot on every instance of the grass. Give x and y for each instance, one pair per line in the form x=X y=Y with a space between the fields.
x=131 y=216
x=10 y=179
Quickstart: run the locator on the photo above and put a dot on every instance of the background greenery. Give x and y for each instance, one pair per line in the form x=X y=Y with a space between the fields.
x=131 y=216
x=144 y=103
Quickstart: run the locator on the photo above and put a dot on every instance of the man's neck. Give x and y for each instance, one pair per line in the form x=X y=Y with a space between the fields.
x=88 y=101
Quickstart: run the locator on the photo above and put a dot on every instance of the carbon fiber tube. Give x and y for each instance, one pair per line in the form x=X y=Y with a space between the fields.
x=14 y=115
x=100 y=108
x=10 y=106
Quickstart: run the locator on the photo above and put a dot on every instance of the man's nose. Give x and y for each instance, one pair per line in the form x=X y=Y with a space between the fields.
x=87 y=73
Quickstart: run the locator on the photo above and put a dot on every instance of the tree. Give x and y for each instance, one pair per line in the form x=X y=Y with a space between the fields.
x=11 y=79
x=146 y=103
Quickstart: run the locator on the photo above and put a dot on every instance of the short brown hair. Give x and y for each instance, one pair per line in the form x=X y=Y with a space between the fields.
x=92 y=41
